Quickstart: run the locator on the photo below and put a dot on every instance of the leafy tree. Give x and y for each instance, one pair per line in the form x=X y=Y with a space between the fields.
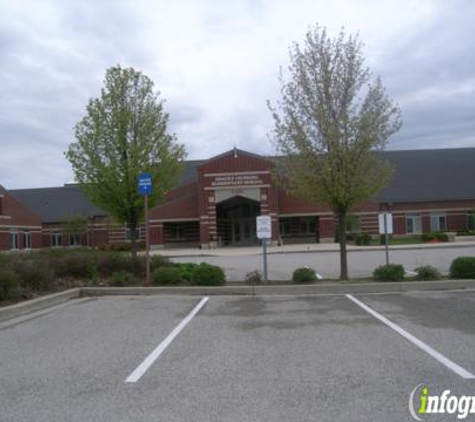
x=330 y=121
x=124 y=132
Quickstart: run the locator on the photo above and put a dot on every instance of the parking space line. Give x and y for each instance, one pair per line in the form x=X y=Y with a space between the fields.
x=426 y=348
x=152 y=357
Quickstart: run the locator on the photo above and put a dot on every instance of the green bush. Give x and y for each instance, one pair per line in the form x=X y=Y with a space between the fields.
x=439 y=236
x=427 y=272
x=9 y=285
x=166 y=276
x=466 y=233
x=122 y=278
x=157 y=261
x=254 y=277
x=186 y=270
x=208 y=275
x=121 y=247
x=304 y=275
x=390 y=272
x=463 y=267
x=363 y=239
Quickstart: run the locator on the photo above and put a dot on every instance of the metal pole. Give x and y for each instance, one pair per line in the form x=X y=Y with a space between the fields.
x=386 y=237
x=264 y=245
x=147 y=243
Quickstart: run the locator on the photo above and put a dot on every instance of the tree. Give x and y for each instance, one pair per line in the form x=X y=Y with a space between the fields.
x=124 y=132
x=330 y=122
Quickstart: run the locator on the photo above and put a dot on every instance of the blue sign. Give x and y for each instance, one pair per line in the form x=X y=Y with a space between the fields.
x=145 y=184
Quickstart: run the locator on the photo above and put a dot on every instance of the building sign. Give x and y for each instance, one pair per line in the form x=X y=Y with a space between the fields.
x=389 y=223
x=236 y=180
x=264 y=227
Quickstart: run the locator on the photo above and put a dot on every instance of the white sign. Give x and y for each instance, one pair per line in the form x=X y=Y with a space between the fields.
x=264 y=227
x=389 y=222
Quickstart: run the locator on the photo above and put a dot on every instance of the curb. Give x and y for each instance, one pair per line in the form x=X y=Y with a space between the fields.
x=184 y=291
x=291 y=289
x=29 y=306
x=24 y=308
x=350 y=248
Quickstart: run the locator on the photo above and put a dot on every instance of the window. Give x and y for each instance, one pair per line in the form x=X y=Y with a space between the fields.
x=27 y=240
x=14 y=244
x=74 y=239
x=471 y=220
x=56 y=239
x=308 y=225
x=128 y=234
x=285 y=226
x=438 y=222
x=413 y=224
x=177 y=231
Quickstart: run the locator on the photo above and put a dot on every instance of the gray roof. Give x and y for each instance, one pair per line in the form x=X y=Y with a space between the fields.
x=190 y=171
x=57 y=204
x=431 y=175
x=420 y=176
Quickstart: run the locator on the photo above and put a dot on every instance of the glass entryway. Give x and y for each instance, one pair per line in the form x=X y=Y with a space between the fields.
x=236 y=221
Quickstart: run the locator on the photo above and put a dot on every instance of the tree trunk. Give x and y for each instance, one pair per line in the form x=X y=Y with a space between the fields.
x=342 y=240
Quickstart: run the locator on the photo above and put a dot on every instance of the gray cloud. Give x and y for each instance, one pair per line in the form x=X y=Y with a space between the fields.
x=216 y=64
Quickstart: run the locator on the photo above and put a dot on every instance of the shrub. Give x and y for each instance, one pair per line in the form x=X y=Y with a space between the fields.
x=390 y=272
x=122 y=278
x=74 y=265
x=463 y=267
x=9 y=286
x=363 y=239
x=427 y=272
x=439 y=236
x=166 y=275
x=34 y=273
x=157 y=261
x=304 y=275
x=121 y=247
x=186 y=270
x=110 y=262
x=208 y=275
x=254 y=277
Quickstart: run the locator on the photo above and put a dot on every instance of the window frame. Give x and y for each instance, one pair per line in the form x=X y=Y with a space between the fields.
x=435 y=219
x=413 y=217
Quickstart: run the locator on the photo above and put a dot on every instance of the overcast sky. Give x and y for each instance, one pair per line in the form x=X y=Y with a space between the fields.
x=216 y=63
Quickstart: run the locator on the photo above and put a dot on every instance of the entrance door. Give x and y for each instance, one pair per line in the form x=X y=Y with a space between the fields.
x=244 y=232
x=236 y=221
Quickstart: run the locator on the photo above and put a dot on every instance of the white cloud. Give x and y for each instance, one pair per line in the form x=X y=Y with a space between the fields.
x=216 y=63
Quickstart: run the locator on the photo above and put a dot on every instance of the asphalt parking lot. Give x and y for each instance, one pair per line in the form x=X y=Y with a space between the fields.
x=267 y=358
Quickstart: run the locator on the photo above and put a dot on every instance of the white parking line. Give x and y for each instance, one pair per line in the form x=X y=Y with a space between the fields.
x=152 y=357
x=434 y=353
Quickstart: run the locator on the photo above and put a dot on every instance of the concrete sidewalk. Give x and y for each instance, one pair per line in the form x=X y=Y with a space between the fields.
x=312 y=247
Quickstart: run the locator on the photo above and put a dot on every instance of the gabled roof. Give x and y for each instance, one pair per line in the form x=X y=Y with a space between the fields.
x=232 y=152
x=57 y=204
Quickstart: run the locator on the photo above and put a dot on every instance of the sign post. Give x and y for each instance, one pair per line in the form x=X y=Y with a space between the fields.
x=264 y=232
x=145 y=188
x=385 y=220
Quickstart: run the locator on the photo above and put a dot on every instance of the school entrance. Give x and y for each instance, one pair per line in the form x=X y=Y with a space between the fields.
x=236 y=221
